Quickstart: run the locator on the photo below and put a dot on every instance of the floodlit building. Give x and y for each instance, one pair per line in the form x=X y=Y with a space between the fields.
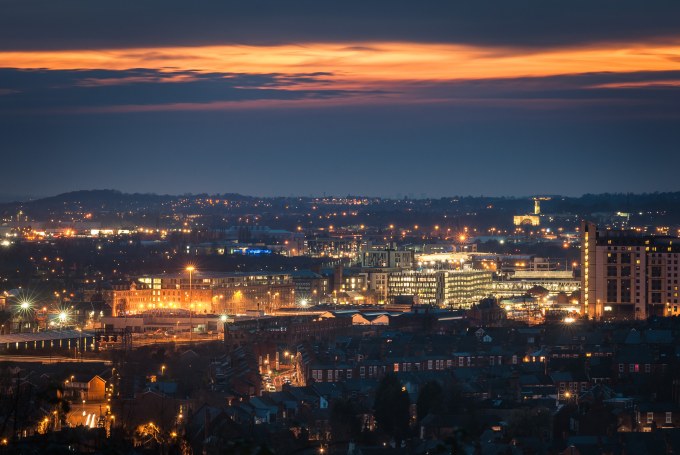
x=426 y=285
x=531 y=219
x=526 y=220
x=207 y=292
x=627 y=275
x=522 y=281
x=464 y=288
x=445 y=288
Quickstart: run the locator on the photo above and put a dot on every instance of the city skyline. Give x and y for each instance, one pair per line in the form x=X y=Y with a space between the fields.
x=339 y=228
x=383 y=98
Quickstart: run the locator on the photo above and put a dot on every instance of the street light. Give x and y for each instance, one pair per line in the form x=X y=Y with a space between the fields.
x=63 y=316
x=24 y=309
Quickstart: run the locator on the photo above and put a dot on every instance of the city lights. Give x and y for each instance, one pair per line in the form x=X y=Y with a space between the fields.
x=398 y=227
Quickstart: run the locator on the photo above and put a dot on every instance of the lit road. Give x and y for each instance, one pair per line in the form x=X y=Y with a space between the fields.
x=145 y=340
x=286 y=371
x=48 y=359
x=87 y=414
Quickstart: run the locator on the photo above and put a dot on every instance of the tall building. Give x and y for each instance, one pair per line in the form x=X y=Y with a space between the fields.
x=627 y=275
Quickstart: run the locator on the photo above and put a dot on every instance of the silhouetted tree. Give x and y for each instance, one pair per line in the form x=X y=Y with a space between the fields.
x=429 y=399
x=344 y=422
x=392 y=407
x=534 y=422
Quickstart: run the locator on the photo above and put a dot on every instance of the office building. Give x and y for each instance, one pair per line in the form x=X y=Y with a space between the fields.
x=465 y=288
x=425 y=285
x=444 y=288
x=390 y=258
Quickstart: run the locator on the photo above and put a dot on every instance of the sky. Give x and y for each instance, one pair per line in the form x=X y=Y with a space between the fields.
x=384 y=98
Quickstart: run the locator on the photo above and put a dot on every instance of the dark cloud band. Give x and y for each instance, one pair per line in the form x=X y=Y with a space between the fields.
x=78 y=24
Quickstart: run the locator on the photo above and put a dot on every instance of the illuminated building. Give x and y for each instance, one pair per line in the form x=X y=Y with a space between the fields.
x=333 y=247
x=387 y=258
x=208 y=292
x=377 y=282
x=527 y=220
x=310 y=287
x=444 y=288
x=520 y=282
x=464 y=288
x=346 y=279
x=426 y=285
x=531 y=219
x=627 y=275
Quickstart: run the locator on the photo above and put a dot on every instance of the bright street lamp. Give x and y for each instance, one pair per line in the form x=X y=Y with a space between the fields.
x=63 y=317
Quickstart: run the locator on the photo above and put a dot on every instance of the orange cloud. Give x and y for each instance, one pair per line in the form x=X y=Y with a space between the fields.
x=374 y=72
x=365 y=64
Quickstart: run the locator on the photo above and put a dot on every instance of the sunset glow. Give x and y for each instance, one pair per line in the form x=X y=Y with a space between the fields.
x=368 y=62
x=440 y=97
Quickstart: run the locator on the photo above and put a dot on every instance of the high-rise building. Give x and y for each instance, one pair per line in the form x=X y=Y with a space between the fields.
x=627 y=275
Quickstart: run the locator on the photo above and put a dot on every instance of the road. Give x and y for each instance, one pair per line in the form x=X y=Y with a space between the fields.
x=48 y=359
x=285 y=371
x=87 y=414
x=145 y=340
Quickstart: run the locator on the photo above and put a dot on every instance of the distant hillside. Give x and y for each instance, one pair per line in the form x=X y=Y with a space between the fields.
x=108 y=205
x=100 y=201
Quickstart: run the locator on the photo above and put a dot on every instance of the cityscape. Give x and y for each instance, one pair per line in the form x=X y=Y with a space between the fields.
x=228 y=323
x=360 y=228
